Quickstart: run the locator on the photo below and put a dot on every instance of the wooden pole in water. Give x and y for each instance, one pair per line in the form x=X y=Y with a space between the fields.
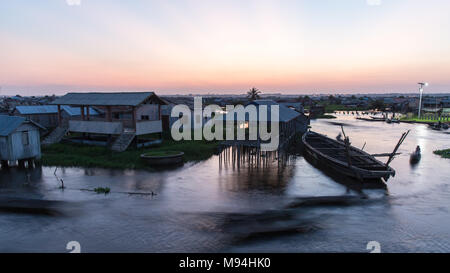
x=402 y=138
x=347 y=149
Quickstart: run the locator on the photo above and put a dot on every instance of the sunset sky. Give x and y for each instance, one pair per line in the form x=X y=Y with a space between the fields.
x=208 y=46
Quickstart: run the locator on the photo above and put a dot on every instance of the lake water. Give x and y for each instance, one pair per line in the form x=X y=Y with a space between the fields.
x=211 y=207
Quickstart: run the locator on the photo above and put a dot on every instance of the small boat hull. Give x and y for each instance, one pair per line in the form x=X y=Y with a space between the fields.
x=326 y=161
x=415 y=158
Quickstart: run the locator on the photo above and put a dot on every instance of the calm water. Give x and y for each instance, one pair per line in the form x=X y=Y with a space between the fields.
x=208 y=207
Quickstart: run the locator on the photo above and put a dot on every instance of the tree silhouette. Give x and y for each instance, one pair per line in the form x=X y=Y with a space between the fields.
x=253 y=94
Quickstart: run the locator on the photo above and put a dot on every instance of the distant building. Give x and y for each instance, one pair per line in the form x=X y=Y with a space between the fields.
x=297 y=106
x=290 y=122
x=168 y=120
x=19 y=140
x=316 y=111
x=47 y=115
x=445 y=103
x=430 y=103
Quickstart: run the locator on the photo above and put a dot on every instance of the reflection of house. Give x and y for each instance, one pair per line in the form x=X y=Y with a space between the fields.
x=19 y=140
x=128 y=115
x=47 y=115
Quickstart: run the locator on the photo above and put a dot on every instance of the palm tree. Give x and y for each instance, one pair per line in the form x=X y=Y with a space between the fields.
x=253 y=94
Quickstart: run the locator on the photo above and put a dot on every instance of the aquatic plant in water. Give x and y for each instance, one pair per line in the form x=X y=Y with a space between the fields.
x=105 y=190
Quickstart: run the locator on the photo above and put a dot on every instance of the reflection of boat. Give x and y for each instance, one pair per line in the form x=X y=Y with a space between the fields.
x=415 y=157
x=445 y=126
x=343 y=158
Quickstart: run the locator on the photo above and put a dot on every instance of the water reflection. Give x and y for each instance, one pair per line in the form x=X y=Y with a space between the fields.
x=243 y=169
x=223 y=204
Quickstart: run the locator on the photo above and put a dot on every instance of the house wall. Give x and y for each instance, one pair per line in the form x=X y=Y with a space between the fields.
x=148 y=127
x=15 y=148
x=150 y=110
x=4 y=151
x=99 y=127
x=46 y=120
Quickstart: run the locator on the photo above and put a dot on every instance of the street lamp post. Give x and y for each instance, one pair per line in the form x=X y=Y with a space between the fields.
x=422 y=84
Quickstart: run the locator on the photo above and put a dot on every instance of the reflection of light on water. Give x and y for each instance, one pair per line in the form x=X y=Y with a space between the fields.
x=422 y=134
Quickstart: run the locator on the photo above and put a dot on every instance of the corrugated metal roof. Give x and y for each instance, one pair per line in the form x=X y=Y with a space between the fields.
x=37 y=109
x=285 y=114
x=9 y=123
x=53 y=109
x=104 y=99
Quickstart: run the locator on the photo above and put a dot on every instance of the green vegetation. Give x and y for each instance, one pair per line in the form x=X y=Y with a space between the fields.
x=161 y=153
x=253 y=94
x=102 y=190
x=76 y=155
x=423 y=119
x=443 y=153
x=331 y=108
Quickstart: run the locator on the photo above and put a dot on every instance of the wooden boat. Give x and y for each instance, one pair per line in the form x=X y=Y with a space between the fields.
x=345 y=159
x=415 y=157
x=436 y=127
x=378 y=118
x=392 y=120
x=368 y=119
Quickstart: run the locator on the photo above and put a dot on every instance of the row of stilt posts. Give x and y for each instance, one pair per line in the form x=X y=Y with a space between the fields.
x=23 y=164
x=237 y=156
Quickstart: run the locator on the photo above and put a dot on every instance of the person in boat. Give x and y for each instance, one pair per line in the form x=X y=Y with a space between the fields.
x=415 y=157
x=339 y=137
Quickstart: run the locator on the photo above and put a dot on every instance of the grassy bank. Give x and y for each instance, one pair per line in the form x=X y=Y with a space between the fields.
x=443 y=153
x=331 y=108
x=420 y=120
x=424 y=119
x=74 y=155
